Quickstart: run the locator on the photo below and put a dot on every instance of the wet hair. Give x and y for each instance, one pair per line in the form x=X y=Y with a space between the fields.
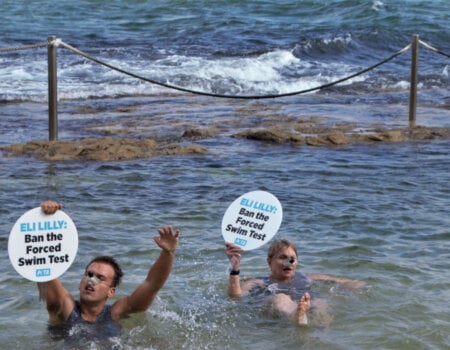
x=118 y=274
x=279 y=244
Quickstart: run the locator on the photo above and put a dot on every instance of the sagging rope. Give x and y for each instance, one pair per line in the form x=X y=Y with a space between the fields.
x=58 y=42
x=252 y=97
x=25 y=47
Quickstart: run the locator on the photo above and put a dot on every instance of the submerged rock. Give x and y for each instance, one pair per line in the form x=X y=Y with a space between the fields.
x=343 y=135
x=336 y=138
x=139 y=137
x=98 y=149
x=195 y=133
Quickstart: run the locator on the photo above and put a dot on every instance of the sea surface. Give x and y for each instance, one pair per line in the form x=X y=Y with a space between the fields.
x=378 y=213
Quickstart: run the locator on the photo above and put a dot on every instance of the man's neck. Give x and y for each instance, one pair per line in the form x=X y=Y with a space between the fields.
x=90 y=312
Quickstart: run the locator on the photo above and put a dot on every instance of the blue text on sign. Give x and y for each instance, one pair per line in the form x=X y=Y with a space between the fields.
x=42 y=272
x=240 y=241
x=250 y=203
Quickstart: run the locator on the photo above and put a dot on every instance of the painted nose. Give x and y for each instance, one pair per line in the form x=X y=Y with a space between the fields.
x=92 y=279
x=288 y=262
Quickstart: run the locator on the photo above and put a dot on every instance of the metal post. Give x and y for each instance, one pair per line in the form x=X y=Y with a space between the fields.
x=413 y=82
x=52 y=91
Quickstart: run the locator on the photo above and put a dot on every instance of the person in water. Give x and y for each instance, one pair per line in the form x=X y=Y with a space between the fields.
x=101 y=278
x=289 y=290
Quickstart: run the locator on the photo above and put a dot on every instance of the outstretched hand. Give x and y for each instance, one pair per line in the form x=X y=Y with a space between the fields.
x=234 y=254
x=50 y=207
x=167 y=240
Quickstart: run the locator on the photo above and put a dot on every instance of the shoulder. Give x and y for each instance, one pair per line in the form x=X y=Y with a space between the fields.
x=252 y=283
x=303 y=276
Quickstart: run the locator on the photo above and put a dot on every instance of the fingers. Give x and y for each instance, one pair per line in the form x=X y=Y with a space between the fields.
x=50 y=207
x=233 y=253
x=232 y=248
x=168 y=231
x=168 y=239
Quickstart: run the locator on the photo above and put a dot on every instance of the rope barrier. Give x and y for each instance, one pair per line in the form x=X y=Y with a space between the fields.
x=26 y=47
x=252 y=97
x=59 y=42
x=53 y=42
x=433 y=48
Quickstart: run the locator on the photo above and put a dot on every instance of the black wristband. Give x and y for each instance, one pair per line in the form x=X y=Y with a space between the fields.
x=234 y=273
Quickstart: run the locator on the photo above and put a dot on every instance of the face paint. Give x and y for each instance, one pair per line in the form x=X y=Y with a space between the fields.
x=92 y=279
x=288 y=262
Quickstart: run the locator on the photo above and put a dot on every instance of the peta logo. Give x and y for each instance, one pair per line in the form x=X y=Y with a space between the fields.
x=240 y=241
x=42 y=272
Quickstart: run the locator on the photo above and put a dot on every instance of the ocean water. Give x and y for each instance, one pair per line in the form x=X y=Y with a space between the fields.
x=377 y=213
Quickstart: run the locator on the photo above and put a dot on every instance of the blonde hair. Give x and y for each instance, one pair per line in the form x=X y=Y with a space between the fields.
x=279 y=244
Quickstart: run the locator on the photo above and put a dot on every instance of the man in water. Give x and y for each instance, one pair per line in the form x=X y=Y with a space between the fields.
x=287 y=289
x=102 y=276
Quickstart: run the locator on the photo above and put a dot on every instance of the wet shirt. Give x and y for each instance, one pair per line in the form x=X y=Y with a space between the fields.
x=76 y=328
x=295 y=288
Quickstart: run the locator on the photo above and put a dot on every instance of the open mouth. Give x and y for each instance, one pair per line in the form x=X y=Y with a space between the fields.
x=89 y=288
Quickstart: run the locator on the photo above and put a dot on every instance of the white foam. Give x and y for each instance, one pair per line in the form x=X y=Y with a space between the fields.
x=275 y=72
x=338 y=40
x=377 y=5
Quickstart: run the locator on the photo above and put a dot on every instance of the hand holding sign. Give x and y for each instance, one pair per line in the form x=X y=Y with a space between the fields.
x=42 y=247
x=252 y=220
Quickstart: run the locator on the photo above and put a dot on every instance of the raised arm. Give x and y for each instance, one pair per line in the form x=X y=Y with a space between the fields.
x=234 y=283
x=58 y=300
x=235 y=288
x=141 y=299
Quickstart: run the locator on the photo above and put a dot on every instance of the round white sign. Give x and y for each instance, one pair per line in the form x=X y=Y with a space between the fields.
x=252 y=220
x=42 y=247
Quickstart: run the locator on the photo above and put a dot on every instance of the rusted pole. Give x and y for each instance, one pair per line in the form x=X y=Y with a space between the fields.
x=52 y=90
x=413 y=82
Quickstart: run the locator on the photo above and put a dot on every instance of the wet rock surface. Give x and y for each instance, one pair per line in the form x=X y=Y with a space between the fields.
x=339 y=136
x=137 y=137
x=99 y=149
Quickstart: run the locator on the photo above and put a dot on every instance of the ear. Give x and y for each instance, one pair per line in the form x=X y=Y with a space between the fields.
x=111 y=292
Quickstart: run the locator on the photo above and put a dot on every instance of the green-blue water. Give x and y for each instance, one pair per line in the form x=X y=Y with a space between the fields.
x=377 y=213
